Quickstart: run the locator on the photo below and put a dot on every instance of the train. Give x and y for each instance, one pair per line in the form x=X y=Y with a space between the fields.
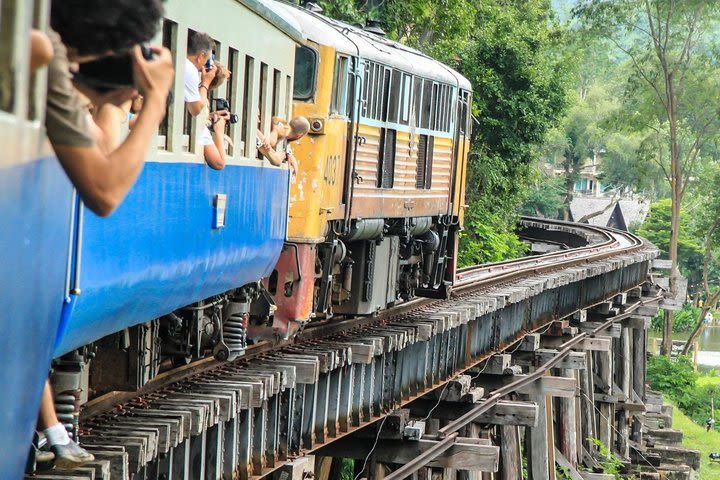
x=198 y=263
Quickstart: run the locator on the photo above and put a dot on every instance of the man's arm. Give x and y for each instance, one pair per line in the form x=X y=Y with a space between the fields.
x=215 y=153
x=206 y=78
x=268 y=152
x=104 y=180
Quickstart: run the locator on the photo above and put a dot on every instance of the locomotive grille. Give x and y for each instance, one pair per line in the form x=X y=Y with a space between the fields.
x=386 y=167
x=423 y=173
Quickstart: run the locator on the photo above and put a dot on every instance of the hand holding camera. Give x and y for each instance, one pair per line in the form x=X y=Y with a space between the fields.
x=222 y=105
x=207 y=74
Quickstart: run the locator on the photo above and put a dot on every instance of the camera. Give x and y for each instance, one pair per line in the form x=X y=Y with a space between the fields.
x=221 y=104
x=109 y=73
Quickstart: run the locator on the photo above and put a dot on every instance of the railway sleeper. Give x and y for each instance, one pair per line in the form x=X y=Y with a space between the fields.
x=247 y=418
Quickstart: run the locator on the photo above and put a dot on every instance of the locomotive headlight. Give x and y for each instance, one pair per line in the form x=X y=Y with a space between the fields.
x=317 y=126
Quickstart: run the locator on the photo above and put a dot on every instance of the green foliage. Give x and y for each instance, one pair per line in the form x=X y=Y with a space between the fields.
x=486 y=238
x=683 y=321
x=348 y=469
x=675 y=377
x=610 y=463
x=562 y=473
x=656 y=228
x=545 y=198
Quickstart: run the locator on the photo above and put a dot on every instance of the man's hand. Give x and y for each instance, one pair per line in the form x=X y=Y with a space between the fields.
x=292 y=164
x=153 y=77
x=207 y=76
x=219 y=120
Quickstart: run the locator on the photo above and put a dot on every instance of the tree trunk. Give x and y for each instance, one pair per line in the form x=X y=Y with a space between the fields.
x=676 y=189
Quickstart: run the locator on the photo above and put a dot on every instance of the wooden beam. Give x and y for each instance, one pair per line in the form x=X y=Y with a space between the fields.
x=505 y=412
x=565 y=420
x=597 y=343
x=573 y=361
x=537 y=443
x=471 y=454
x=497 y=364
x=529 y=343
x=612 y=331
x=637 y=321
x=551 y=386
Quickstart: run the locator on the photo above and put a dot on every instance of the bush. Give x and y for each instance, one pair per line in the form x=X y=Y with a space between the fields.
x=674 y=377
x=683 y=321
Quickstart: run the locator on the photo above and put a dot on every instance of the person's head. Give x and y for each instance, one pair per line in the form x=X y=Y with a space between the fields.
x=95 y=28
x=222 y=74
x=299 y=127
x=200 y=48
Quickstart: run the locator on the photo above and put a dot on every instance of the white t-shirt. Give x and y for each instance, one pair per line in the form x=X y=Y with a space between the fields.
x=192 y=81
x=205 y=137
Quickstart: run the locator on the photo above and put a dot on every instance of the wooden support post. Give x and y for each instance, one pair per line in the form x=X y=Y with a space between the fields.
x=606 y=410
x=537 y=440
x=587 y=400
x=565 y=422
x=639 y=348
x=623 y=358
x=510 y=456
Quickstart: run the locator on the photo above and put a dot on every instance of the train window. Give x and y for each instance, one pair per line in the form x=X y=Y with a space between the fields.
x=340 y=86
x=427 y=96
x=7 y=44
x=386 y=158
x=36 y=91
x=169 y=41
x=365 y=90
x=394 y=95
x=434 y=106
x=384 y=96
x=418 y=99
x=371 y=90
x=288 y=90
x=423 y=173
x=262 y=102
x=305 y=73
x=277 y=78
x=406 y=96
x=247 y=121
x=232 y=93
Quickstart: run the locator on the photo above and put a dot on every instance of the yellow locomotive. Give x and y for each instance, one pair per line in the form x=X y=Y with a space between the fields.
x=377 y=203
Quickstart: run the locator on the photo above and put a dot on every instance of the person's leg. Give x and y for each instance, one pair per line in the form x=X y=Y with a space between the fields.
x=68 y=454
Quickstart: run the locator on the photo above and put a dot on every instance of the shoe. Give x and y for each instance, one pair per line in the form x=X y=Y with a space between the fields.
x=42 y=456
x=71 y=455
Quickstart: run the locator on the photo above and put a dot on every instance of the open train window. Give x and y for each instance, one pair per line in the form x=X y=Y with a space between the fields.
x=417 y=101
x=232 y=93
x=247 y=121
x=427 y=99
x=406 y=98
x=393 y=102
x=340 y=87
x=8 y=13
x=305 y=73
x=169 y=41
x=425 y=151
x=386 y=158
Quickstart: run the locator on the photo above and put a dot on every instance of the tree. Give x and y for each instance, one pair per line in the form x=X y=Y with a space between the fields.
x=655 y=228
x=666 y=43
x=707 y=224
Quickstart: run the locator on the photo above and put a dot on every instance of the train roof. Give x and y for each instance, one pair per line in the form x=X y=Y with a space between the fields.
x=277 y=17
x=356 y=41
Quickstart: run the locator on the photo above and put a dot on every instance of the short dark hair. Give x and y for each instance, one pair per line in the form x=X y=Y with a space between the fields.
x=199 y=42
x=94 y=27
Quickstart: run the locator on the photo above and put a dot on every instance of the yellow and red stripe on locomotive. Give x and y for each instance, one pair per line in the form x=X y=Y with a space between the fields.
x=377 y=203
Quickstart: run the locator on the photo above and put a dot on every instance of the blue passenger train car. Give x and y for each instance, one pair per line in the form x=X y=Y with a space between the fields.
x=185 y=234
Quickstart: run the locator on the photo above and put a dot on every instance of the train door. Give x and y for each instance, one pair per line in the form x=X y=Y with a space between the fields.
x=355 y=88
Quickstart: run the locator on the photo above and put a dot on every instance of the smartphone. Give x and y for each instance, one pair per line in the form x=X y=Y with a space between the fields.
x=209 y=63
x=109 y=73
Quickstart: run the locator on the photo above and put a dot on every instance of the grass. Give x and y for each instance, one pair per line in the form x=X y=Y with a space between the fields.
x=696 y=438
x=708 y=380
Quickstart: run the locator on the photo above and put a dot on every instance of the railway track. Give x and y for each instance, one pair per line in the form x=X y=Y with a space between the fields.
x=254 y=416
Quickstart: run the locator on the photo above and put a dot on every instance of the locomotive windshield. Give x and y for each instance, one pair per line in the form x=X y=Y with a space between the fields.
x=305 y=72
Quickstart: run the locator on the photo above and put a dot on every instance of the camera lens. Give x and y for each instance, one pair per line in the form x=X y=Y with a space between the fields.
x=234 y=118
